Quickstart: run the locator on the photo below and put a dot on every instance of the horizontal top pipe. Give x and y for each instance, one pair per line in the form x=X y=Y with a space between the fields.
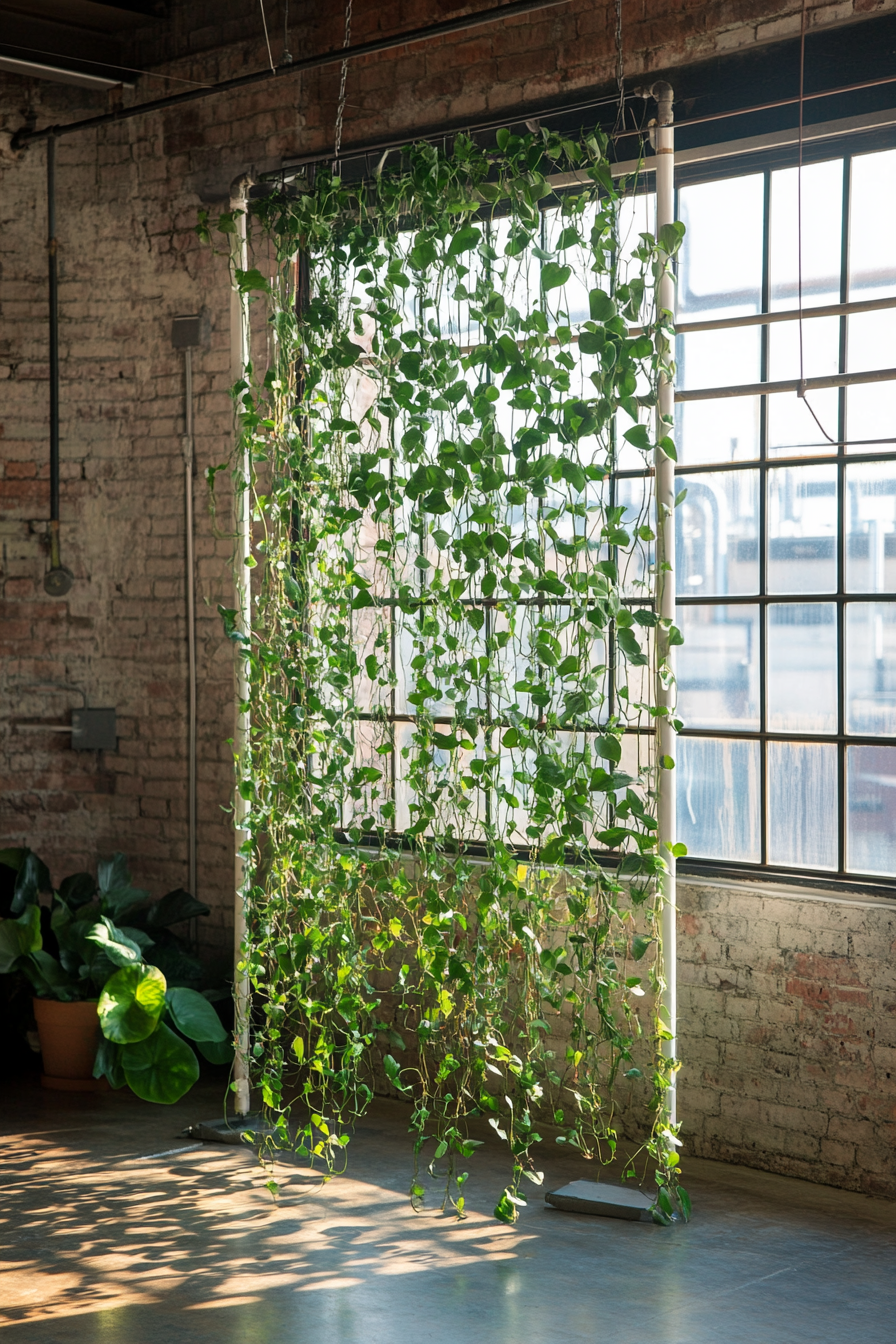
x=788 y=385
x=786 y=315
x=781 y=102
x=334 y=57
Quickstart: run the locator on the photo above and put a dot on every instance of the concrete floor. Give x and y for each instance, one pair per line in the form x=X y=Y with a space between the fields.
x=107 y=1237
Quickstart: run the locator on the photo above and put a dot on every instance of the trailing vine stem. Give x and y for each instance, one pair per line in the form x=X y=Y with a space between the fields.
x=451 y=780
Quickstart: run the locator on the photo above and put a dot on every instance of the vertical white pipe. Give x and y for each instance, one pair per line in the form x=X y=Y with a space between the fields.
x=665 y=581
x=239 y=360
x=191 y=618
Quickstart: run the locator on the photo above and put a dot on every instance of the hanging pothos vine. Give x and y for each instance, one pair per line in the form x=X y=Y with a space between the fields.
x=452 y=660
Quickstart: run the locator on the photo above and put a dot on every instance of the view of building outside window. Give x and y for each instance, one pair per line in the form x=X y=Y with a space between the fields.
x=786 y=564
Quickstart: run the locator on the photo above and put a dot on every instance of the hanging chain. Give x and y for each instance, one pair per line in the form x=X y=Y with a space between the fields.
x=286 y=58
x=620 y=69
x=340 y=109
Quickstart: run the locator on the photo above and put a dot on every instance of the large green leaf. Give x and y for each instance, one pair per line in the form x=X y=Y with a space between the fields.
x=18 y=937
x=78 y=889
x=108 y=1063
x=132 y=1003
x=216 y=1052
x=115 y=890
x=161 y=1068
x=173 y=908
x=465 y=238
x=51 y=980
x=13 y=858
x=175 y=963
x=33 y=878
x=70 y=935
x=120 y=949
x=194 y=1015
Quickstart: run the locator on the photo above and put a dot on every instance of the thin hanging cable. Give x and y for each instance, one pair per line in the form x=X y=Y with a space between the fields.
x=266 y=38
x=801 y=389
x=340 y=108
x=131 y=69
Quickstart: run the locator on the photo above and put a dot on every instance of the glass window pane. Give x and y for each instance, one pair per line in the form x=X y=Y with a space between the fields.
x=717 y=530
x=802 y=804
x=801 y=658
x=718 y=798
x=871 y=410
x=707 y=281
x=871 y=667
x=871 y=527
x=635 y=495
x=791 y=427
x=717 y=667
x=822 y=212
x=870 y=416
x=717 y=431
x=718 y=358
x=872 y=248
x=871 y=810
x=821 y=349
x=802 y=529
x=794 y=431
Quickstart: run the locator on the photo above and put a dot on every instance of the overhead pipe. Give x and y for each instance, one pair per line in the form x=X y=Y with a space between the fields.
x=58 y=580
x=496 y=14
x=239 y=361
x=664 y=137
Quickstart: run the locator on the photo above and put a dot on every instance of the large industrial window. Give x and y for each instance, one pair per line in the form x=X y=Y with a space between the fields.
x=786 y=539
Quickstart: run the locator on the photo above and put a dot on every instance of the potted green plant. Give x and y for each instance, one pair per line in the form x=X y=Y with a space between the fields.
x=114 y=987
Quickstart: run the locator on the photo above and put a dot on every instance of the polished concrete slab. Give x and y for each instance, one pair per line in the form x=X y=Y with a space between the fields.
x=108 y=1236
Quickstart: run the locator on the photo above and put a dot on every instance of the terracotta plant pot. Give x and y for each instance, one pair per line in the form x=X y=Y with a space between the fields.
x=69 y=1035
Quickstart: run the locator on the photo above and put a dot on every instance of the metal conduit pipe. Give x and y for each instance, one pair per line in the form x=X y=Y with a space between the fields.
x=373 y=47
x=239 y=360
x=58 y=580
x=190 y=565
x=665 y=593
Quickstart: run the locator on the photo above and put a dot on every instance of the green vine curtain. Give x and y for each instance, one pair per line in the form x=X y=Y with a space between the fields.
x=451 y=781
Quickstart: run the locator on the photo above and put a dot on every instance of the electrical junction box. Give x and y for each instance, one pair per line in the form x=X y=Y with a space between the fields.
x=190 y=332
x=94 y=730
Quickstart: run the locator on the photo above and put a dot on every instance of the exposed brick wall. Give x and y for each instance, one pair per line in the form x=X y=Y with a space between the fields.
x=782 y=1071
x=127 y=265
x=787 y=1015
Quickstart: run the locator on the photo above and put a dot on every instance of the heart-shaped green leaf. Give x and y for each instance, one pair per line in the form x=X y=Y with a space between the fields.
x=18 y=937
x=120 y=950
x=194 y=1015
x=553 y=275
x=33 y=878
x=161 y=1068
x=131 y=1003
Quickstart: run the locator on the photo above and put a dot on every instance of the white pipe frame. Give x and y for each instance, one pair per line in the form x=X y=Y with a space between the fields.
x=239 y=362
x=665 y=590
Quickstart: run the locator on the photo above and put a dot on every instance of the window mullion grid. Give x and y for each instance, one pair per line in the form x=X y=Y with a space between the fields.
x=841 y=526
x=762 y=540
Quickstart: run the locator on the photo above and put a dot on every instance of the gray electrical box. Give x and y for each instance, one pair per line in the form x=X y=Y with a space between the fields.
x=94 y=730
x=190 y=332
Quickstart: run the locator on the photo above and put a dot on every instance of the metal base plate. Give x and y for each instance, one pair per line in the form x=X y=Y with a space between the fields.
x=230 y=1130
x=608 y=1201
